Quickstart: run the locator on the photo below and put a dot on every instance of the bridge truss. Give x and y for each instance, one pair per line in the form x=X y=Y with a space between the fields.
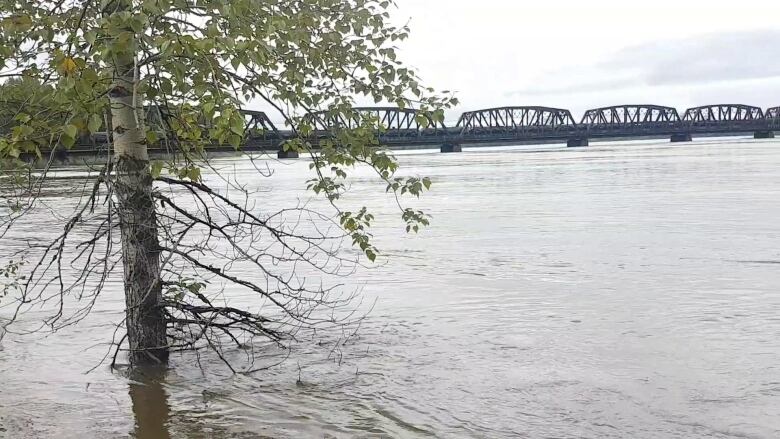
x=626 y=115
x=772 y=116
x=258 y=121
x=518 y=121
x=725 y=118
x=389 y=122
x=626 y=120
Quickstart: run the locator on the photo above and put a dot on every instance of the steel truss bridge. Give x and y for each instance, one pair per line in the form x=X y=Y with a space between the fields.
x=530 y=124
x=397 y=127
x=534 y=124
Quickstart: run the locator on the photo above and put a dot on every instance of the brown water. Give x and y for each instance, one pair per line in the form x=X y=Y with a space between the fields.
x=621 y=290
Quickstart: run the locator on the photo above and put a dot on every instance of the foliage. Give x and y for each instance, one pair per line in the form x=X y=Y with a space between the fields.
x=203 y=58
x=198 y=62
x=28 y=113
x=10 y=278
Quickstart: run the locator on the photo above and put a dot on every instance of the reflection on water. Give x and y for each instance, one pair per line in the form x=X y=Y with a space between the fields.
x=150 y=404
x=621 y=290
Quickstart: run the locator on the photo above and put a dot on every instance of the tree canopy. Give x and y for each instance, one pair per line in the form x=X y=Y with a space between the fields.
x=94 y=66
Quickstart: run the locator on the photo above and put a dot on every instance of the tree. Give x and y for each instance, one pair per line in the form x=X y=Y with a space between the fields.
x=106 y=64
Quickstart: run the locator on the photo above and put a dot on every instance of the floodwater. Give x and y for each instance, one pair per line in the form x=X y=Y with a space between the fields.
x=621 y=290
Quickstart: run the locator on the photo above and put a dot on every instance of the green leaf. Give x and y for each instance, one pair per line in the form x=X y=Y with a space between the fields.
x=235 y=141
x=95 y=122
x=23 y=117
x=90 y=37
x=157 y=167
x=237 y=125
x=166 y=86
x=70 y=131
x=67 y=141
x=193 y=174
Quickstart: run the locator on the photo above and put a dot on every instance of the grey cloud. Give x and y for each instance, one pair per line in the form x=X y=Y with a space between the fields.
x=695 y=61
x=717 y=57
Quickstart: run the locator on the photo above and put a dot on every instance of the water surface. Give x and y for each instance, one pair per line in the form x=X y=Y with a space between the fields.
x=620 y=290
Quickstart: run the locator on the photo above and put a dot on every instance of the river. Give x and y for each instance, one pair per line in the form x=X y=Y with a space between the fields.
x=627 y=289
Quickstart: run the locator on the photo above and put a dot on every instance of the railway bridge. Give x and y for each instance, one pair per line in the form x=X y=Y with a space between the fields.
x=538 y=124
x=405 y=127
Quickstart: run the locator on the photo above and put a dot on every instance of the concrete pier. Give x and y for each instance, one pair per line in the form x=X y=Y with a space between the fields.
x=451 y=147
x=684 y=137
x=764 y=135
x=577 y=142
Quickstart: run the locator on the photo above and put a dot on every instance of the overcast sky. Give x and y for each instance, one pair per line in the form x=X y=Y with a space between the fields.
x=581 y=54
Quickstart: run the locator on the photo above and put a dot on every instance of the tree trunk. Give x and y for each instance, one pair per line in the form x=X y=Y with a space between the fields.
x=133 y=187
x=141 y=259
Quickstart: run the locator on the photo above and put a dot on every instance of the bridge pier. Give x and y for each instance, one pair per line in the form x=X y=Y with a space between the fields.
x=764 y=135
x=577 y=142
x=451 y=147
x=682 y=137
x=289 y=154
